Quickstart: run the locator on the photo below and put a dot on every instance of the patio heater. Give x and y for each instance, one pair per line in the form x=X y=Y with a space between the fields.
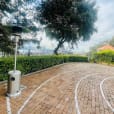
x=13 y=88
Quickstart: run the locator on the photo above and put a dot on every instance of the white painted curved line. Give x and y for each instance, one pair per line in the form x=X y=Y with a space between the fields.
x=102 y=93
x=8 y=105
x=25 y=103
x=76 y=94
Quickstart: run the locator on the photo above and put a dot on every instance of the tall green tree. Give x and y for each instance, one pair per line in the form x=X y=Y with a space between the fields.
x=6 y=45
x=17 y=14
x=68 y=20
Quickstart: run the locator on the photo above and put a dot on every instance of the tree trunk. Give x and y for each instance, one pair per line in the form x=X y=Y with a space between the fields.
x=56 y=49
x=58 y=46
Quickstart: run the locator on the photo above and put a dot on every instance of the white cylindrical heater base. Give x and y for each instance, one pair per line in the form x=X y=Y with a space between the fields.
x=13 y=88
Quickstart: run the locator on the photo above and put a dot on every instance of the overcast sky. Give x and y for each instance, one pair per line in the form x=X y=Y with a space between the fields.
x=104 y=24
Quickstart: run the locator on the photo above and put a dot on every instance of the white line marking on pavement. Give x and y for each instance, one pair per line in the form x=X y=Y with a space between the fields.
x=8 y=99
x=76 y=94
x=102 y=93
x=25 y=103
x=8 y=105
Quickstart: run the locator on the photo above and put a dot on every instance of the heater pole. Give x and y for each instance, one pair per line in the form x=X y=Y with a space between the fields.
x=16 y=41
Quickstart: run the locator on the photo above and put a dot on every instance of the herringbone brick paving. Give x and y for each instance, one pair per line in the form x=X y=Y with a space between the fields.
x=57 y=96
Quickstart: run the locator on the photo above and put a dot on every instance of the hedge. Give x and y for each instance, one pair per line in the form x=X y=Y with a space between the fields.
x=106 y=56
x=28 y=64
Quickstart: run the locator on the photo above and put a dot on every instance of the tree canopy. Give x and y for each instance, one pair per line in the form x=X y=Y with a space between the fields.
x=6 y=45
x=68 y=20
x=17 y=13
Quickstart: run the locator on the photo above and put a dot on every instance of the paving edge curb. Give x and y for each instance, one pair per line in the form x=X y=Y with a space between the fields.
x=2 y=82
x=44 y=69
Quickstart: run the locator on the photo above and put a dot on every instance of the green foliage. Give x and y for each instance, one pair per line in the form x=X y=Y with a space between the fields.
x=4 y=5
x=105 y=56
x=5 y=66
x=35 y=63
x=6 y=45
x=68 y=20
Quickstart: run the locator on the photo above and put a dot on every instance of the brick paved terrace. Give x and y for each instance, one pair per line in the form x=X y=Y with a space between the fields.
x=72 y=88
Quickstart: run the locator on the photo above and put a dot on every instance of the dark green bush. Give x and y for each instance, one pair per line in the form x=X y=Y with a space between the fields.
x=34 y=63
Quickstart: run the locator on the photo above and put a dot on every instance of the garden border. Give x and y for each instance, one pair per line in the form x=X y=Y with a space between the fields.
x=45 y=69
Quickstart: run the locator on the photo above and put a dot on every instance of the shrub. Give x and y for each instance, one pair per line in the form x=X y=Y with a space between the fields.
x=34 y=63
x=106 y=56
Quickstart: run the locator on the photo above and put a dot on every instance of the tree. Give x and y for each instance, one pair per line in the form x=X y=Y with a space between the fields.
x=4 y=39
x=68 y=20
x=16 y=13
x=19 y=12
x=4 y=5
x=6 y=45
